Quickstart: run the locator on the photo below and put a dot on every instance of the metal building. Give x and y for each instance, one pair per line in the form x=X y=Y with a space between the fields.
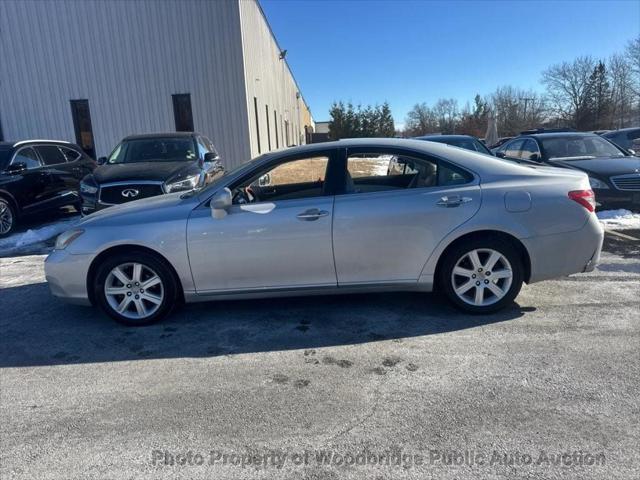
x=93 y=72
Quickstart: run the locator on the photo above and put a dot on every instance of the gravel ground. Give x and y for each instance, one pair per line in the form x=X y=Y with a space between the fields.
x=326 y=387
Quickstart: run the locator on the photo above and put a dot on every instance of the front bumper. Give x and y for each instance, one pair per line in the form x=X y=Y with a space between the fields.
x=563 y=254
x=613 y=199
x=66 y=275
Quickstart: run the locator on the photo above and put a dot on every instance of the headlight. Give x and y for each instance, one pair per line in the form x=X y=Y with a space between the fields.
x=65 y=239
x=188 y=183
x=599 y=184
x=86 y=188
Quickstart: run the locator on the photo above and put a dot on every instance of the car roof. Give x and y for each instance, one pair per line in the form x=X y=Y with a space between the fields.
x=39 y=140
x=161 y=135
x=444 y=137
x=475 y=161
x=614 y=132
x=559 y=135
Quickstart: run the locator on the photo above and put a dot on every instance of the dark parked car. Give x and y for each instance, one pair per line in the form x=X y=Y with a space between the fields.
x=501 y=141
x=627 y=138
x=462 y=141
x=38 y=175
x=144 y=166
x=613 y=173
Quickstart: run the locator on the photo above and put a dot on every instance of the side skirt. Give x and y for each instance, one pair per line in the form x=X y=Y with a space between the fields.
x=191 y=296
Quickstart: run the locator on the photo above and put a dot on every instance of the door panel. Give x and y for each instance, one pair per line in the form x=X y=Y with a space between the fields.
x=388 y=236
x=34 y=191
x=263 y=245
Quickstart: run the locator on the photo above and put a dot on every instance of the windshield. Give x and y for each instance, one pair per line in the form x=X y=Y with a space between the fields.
x=154 y=150
x=579 y=148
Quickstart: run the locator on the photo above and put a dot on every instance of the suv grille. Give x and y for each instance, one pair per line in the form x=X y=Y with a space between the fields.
x=627 y=182
x=115 y=194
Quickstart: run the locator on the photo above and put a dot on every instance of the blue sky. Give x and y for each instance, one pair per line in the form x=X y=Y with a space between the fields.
x=405 y=52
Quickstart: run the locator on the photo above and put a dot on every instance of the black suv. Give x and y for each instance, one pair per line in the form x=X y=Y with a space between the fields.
x=614 y=174
x=144 y=166
x=38 y=175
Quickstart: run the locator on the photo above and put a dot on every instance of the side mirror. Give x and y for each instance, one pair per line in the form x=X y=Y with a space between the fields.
x=17 y=168
x=264 y=180
x=632 y=151
x=210 y=157
x=102 y=160
x=500 y=154
x=535 y=157
x=220 y=202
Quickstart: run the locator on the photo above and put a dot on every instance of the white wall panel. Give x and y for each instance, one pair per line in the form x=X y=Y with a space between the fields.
x=269 y=80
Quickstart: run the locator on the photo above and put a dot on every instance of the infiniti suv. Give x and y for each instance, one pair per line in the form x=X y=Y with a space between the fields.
x=144 y=166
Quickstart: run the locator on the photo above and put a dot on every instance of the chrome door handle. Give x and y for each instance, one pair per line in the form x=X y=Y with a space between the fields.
x=312 y=214
x=452 y=201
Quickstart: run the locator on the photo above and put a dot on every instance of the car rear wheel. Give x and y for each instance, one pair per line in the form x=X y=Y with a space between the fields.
x=7 y=217
x=482 y=276
x=136 y=289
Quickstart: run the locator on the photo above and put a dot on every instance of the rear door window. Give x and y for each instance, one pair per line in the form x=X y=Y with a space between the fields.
x=51 y=154
x=70 y=154
x=382 y=171
x=530 y=148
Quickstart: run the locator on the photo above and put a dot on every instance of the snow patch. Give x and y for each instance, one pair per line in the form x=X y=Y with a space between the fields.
x=34 y=237
x=619 y=219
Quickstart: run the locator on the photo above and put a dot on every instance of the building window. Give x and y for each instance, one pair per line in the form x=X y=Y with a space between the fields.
x=275 y=125
x=286 y=133
x=266 y=108
x=182 y=113
x=255 y=110
x=82 y=126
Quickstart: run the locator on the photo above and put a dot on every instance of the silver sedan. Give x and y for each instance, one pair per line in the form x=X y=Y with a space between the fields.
x=348 y=216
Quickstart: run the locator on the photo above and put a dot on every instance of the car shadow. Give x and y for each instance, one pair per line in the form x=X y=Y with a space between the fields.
x=39 y=329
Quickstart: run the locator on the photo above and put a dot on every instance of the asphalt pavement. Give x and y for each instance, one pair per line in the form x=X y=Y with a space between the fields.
x=358 y=386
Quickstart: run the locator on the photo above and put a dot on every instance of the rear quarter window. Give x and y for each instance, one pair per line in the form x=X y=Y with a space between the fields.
x=450 y=175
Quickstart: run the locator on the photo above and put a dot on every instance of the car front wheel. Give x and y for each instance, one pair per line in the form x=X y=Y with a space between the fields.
x=135 y=289
x=482 y=276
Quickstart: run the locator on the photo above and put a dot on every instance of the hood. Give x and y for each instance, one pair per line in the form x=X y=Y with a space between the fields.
x=151 y=171
x=604 y=167
x=141 y=210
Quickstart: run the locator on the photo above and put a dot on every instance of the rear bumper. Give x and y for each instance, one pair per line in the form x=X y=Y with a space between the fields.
x=66 y=275
x=562 y=254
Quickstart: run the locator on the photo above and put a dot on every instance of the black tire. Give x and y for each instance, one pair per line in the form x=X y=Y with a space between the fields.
x=159 y=266
x=9 y=217
x=457 y=252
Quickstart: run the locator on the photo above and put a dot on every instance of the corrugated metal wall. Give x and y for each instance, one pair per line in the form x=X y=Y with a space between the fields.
x=127 y=58
x=270 y=83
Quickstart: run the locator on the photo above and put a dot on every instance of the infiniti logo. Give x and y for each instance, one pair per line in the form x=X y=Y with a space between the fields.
x=130 y=192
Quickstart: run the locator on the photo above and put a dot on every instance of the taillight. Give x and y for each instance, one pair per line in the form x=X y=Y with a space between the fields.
x=586 y=198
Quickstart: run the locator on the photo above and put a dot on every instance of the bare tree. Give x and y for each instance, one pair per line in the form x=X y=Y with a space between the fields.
x=632 y=53
x=622 y=92
x=446 y=111
x=420 y=120
x=569 y=89
x=517 y=109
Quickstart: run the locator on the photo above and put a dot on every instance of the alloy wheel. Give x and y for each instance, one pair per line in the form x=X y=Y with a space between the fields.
x=134 y=290
x=6 y=217
x=482 y=277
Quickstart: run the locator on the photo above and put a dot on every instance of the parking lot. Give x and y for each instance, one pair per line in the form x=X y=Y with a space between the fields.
x=358 y=386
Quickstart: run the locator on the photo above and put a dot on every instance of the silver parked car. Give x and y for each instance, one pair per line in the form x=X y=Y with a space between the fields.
x=333 y=217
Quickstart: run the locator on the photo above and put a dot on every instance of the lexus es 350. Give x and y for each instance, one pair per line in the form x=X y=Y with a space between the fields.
x=334 y=217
